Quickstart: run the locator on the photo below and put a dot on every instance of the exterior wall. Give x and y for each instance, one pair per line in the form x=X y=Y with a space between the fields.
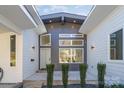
x=11 y=74
x=55 y=29
x=30 y=39
x=99 y=37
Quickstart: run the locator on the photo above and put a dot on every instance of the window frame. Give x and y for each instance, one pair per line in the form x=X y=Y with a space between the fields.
x=109 y=47
x=41 y=40
x=60 y=62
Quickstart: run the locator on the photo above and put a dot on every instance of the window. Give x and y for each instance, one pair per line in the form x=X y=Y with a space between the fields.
x=71 y=35
x=45 y=40
x=13 y=50
x=71 y=55
x=71 y=42
x=116 y=45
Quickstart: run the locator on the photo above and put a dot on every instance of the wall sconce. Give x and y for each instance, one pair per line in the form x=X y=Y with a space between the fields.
x=33 y=47
x=92 y=47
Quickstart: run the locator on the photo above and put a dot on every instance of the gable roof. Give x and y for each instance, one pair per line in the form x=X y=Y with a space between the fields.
x=62 y=16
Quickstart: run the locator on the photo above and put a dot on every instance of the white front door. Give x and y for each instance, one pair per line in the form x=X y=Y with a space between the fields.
x=45 y=57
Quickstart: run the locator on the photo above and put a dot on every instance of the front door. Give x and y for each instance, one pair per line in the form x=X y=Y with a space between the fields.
x=45 y=57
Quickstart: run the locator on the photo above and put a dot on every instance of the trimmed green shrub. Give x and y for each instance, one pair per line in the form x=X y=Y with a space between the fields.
x=50 y=70
x=101 y=73
x=83 y=70
x=65 y=69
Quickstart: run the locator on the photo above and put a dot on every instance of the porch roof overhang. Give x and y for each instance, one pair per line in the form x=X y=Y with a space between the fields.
x=97 y=14
x=19 y=18
x=63 y=17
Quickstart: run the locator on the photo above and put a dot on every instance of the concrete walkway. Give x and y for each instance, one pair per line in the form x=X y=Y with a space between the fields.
x=73 y=75
x=57 y=76
x=38 y=79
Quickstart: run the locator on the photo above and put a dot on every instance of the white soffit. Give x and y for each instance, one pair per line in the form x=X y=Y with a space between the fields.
x=6 y=24
x=97 y=14
x=18 y=15
x=33 y=12
x=4 y=29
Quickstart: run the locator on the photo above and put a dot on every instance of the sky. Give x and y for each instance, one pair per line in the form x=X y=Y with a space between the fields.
x=74 y=9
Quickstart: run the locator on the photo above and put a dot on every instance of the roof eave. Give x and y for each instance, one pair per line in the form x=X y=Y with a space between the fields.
x=97 y=14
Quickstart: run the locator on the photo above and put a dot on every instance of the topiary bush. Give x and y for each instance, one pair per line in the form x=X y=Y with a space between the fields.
x=101 y=73
x=50 y=72
x=65 y=69
x=83 y=70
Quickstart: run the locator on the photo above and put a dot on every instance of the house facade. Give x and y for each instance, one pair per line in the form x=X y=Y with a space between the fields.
x=105 y=33
x=66 y=44
x=29 y=41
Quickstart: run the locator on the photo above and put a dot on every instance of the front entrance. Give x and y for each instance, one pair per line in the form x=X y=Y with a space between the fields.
x=45 y=57
x=67 y=48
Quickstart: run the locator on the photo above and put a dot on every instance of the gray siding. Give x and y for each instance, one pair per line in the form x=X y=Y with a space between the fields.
x=55 y=29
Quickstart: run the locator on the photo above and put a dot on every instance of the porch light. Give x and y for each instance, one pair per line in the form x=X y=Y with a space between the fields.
x=74 y=21
x=50 y=21
x=33 y=47
x=92 y=47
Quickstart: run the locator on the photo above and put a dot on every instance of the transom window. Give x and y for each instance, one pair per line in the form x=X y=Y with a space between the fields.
x=116 y=45
x=66 y=42
x=71 y=35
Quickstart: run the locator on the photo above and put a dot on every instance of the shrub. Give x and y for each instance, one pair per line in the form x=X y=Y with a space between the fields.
x=65 y=68
x=83 y=70
x=50 y=70
x=115 y=86
x=101 y=73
